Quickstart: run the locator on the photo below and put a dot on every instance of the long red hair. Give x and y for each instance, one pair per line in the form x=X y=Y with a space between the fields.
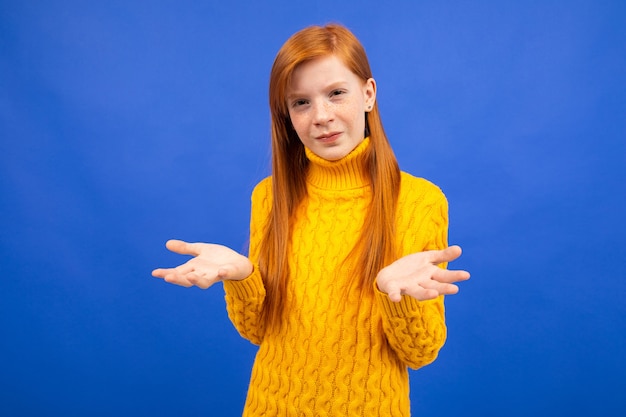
x=376 y=246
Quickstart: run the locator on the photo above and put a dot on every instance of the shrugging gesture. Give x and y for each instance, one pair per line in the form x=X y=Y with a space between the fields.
x=210 y=263
x=333 y=171
x=418 y=275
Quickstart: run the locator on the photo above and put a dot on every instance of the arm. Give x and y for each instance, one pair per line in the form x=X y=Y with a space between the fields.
x=211 y=263
x=244 y=305
x=410 y=291
x=245 y=299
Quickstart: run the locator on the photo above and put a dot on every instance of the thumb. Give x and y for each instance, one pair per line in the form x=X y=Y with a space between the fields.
x=448 y=254
x=182 y=247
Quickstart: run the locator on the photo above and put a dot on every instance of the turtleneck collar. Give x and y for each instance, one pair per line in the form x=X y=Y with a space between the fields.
x=346 y=173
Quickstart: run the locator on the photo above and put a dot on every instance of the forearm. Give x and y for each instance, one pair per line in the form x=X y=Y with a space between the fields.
x=415 y=330
x=244 y=304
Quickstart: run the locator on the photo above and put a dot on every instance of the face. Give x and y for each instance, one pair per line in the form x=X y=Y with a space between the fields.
x=327 y=104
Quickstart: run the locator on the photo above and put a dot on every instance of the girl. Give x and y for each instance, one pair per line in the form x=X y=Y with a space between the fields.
x=343 y=287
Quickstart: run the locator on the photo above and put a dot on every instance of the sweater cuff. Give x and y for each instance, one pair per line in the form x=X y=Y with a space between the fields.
x=406 y=307
x=247 y=288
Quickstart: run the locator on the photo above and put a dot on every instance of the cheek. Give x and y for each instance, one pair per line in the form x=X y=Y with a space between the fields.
x=299 y=124
x=354 y=115
x=350 y=110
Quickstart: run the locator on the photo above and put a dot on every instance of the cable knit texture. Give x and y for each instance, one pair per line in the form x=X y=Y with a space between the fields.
x=337 y=354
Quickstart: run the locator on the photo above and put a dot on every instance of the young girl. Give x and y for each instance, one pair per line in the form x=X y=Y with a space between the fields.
x=343 y=287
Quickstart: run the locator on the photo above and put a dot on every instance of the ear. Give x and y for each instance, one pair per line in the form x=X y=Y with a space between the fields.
x=369 y=94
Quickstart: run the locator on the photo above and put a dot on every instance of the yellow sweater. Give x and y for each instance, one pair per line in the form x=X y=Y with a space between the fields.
x=334 y=356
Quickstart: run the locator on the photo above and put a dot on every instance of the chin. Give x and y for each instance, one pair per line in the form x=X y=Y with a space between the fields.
x=333 y=156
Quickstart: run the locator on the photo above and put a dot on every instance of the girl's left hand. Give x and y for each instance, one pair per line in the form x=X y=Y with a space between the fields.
x=418 y=275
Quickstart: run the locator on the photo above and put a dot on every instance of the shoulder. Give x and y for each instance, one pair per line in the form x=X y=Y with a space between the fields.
x=263 y=190
x=261 y=200
x=419 y=191
x=262 y=193
x=421 y=216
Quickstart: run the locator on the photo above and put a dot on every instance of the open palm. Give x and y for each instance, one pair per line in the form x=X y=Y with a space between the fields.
x=210 y=263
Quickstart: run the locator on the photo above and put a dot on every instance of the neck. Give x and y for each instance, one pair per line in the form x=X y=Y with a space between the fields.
x=346 y=173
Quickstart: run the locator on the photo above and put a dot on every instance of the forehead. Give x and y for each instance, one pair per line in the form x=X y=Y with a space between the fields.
x=319 y=73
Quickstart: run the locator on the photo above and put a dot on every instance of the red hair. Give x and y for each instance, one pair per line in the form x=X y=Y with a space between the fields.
x=376 y=247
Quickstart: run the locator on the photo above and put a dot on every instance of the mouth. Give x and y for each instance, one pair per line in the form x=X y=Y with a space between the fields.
x=328 y=137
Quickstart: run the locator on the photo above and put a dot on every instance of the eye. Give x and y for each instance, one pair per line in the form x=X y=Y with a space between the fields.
x=299 y=103
x=337 y=92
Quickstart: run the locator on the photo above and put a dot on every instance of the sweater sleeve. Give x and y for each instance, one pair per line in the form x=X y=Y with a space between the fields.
x=245 y=298
x=416 y=330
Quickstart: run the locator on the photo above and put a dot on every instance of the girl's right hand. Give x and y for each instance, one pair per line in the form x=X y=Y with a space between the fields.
x=210 y=263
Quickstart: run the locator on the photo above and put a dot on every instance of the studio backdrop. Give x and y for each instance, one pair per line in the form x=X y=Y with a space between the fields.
x=127 y=123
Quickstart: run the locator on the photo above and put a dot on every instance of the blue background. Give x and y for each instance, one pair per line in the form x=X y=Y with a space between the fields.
x=124 y=124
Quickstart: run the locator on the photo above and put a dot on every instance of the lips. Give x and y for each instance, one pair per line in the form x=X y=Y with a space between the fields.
x=328 y=137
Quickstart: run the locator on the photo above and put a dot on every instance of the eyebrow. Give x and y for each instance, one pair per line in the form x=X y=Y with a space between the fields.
x=331 y=86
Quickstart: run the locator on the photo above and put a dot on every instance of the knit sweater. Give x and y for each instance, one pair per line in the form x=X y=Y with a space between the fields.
x=337 y=354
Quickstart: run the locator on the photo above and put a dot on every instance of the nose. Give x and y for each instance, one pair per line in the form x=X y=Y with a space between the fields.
x=322 y=112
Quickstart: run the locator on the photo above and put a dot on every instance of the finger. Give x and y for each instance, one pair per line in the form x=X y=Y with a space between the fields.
x=450 y=276
x=182 y=247
x=420 y=293
x=194 y=279
x=184 y=269
x=227 y=271
x=393 y=291
x=224 y=272
x=174 y=278
x=201 y=281
x=395 y=296
x=448 y=254
x=440 y=287
x=159 y=273
x=163 y=272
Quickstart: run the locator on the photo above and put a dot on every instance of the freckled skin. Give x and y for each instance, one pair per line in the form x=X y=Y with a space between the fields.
x=327 y=104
